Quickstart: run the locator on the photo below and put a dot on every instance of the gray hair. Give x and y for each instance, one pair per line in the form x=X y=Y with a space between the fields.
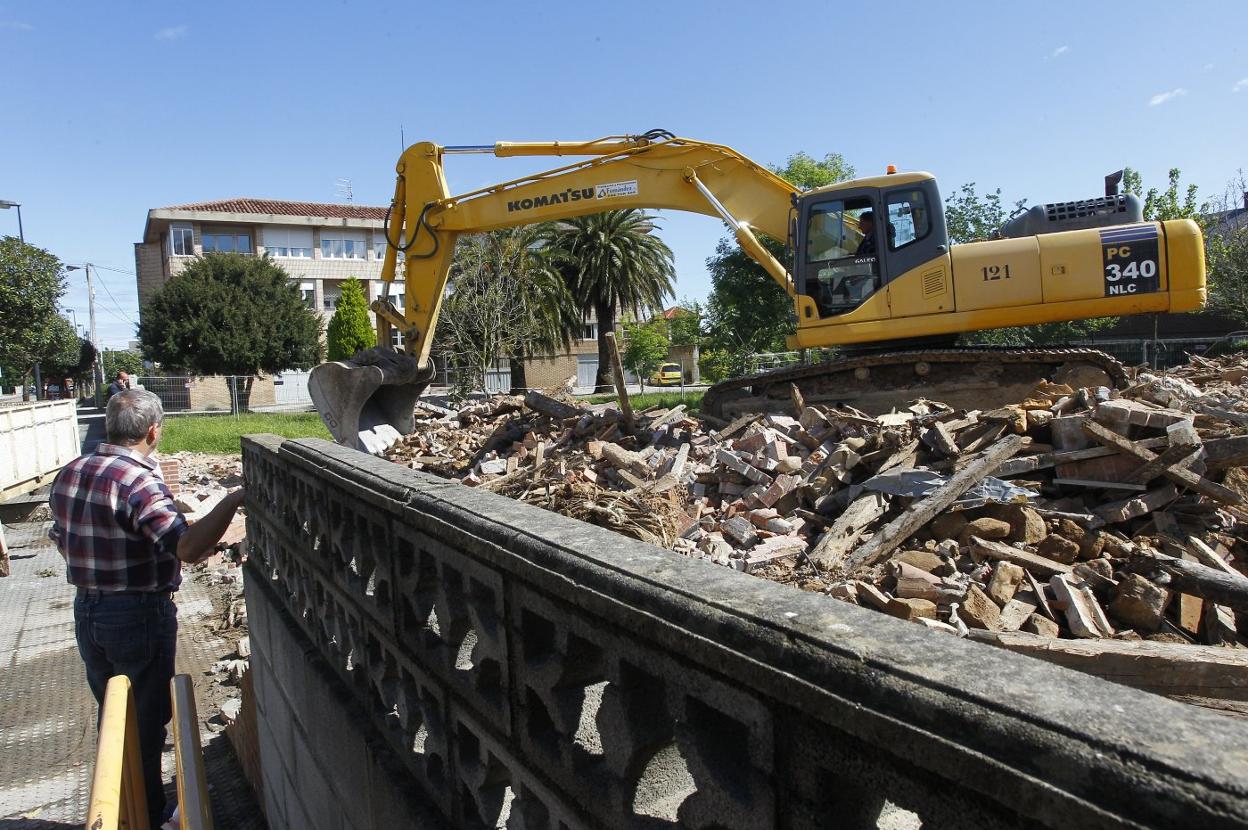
x=130 y=414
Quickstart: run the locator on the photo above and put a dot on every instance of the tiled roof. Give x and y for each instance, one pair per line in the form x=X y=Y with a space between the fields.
x=276 y=207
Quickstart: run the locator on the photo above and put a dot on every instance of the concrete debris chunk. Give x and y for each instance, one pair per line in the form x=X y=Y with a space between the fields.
x=1052 y=514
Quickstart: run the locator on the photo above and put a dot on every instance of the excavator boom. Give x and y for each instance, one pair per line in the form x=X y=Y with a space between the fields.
x=367 y=402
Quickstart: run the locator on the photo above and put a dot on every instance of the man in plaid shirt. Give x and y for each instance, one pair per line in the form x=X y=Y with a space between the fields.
x=124 y=542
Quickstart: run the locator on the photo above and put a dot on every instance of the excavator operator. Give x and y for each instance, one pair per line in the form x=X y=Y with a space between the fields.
x=866 y=224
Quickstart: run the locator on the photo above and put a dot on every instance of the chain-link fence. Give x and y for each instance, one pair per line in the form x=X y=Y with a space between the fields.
x=766 y=361
x=229 y=394
x=1158 y=354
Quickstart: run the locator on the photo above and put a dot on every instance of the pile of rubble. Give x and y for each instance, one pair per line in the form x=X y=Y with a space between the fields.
x=1076 y=513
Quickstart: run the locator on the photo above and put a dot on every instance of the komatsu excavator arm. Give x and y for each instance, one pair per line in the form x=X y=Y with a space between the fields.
x=653 y=172
x=377 y=390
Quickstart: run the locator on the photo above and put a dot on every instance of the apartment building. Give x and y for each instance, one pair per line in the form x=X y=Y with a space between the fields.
x=319 y=245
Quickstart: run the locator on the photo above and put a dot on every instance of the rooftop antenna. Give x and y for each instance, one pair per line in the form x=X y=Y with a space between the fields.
x=343 y=188
x=402 y=140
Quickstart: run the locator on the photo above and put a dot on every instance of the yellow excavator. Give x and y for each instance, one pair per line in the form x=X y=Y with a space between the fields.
x=869 y=269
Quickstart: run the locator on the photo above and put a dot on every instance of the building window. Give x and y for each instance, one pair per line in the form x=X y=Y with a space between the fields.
x=590 y=331
x=181 y=240
x=288 y=242
x=330 y=302
x=226 y=243
x=307 y=290
x=338 y=245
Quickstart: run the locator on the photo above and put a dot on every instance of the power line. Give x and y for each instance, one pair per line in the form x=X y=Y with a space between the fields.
x=108 y=268
x=117 y=304
x=104 y=285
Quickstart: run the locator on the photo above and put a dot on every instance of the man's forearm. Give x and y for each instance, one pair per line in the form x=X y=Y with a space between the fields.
x=201 y=537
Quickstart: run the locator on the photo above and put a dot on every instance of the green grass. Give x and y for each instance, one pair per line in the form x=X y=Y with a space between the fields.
x=219 y=434
x=691 y=399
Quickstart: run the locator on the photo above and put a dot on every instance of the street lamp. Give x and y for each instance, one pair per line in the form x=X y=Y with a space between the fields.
x=5 y=204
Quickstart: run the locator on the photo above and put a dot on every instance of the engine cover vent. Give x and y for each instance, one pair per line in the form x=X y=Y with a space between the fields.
x=934 y=283
x=1102 y=212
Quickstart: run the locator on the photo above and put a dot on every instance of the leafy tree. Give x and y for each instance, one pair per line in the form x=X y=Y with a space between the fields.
x=349 y=330
x=1226 y=251
x=506 y=298
x=548 y=317
x=612 y=261
x=1160 y=205
x=647 y=349
x=685 y=325
x=807 y=173
x=971 y=217
x=230 y=314
x=747 y=311
x=1044 y=334
x=121 y=360
x=31 y=281
x=74 y=356
x=717 y=364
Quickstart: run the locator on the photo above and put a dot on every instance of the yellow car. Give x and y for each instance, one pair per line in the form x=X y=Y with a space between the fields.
x=668 y=373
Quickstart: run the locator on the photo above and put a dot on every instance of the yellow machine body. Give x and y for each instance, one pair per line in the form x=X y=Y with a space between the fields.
x=982 y=285
x=1020 y=282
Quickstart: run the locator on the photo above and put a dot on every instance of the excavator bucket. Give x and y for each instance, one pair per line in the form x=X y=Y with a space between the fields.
x=368 y=402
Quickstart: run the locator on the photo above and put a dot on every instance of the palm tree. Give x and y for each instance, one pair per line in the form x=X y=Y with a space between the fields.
x=507 y=298
x=612 y=261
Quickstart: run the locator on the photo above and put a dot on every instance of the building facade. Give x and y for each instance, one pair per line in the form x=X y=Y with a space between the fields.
x=319 y=245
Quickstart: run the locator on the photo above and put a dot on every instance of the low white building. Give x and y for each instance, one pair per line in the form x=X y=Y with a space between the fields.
x=319 y=245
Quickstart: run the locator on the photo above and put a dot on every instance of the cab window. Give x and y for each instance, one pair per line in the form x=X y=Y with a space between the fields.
x=843 y=268
x=908 y=218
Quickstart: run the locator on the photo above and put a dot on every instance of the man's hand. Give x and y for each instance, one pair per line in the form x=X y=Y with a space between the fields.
x=201 y=538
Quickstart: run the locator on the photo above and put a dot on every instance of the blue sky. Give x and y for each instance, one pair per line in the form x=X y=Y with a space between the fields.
x=110 y=109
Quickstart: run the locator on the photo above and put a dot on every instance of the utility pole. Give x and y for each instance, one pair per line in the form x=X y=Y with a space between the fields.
x=99 y=362
x=98 y=373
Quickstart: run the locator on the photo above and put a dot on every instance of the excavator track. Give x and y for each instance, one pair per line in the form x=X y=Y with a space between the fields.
x=971 y=378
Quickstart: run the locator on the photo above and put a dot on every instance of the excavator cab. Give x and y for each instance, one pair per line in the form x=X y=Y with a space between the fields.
x=856 y=237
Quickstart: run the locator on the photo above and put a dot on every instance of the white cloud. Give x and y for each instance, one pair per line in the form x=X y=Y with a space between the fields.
x=15 y=24
x=172 y=32
x=1059 y=51
x=1163 y=97
x=1242 y=83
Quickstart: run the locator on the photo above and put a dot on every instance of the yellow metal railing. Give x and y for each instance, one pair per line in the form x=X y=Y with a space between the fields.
x=194 y=808
x=118 y=800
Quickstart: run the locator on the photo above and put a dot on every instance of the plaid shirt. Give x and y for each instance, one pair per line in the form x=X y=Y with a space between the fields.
x=115 y=523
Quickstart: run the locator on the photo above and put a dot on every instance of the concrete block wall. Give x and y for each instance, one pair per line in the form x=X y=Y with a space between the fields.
x=322 y=765
x=426 y=649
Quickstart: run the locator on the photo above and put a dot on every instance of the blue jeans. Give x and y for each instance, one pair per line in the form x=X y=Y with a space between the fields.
x=135 y=635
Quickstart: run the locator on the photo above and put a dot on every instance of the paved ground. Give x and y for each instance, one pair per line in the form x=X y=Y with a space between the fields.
x=47 y=715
